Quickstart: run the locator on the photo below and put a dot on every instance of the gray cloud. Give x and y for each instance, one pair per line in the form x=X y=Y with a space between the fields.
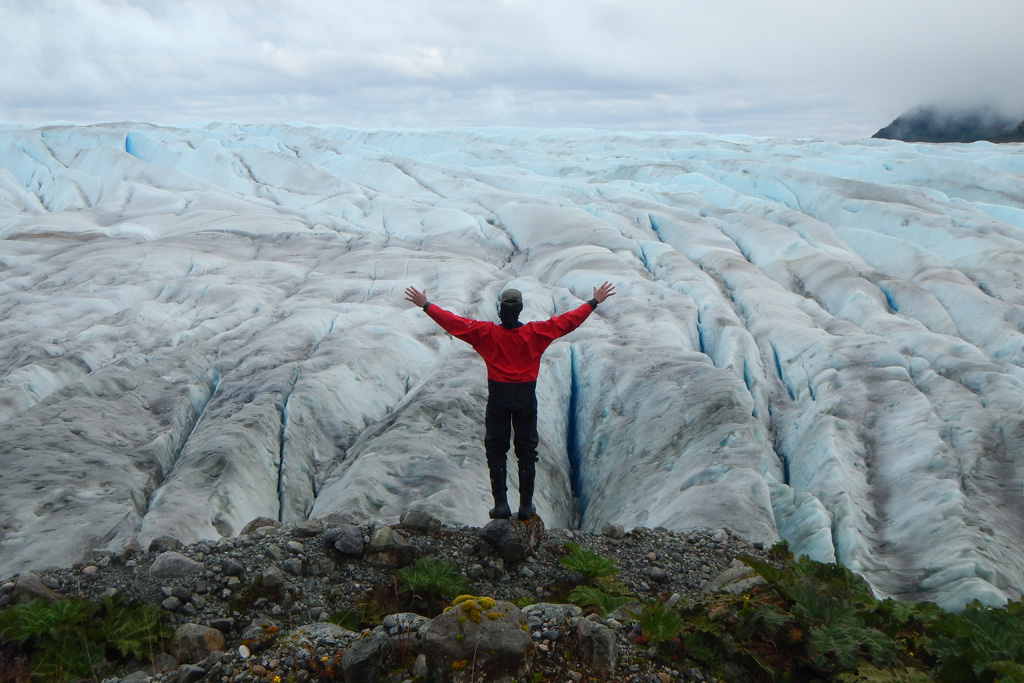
x=792 y=68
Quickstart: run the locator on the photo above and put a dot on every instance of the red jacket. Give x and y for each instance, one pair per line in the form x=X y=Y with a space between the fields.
x=511 y=355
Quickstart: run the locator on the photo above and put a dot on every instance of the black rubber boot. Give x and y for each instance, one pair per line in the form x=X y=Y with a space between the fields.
x=501 y=510
x=527 y=474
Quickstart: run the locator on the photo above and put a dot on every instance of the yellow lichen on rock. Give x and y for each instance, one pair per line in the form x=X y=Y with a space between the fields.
x=473 y=607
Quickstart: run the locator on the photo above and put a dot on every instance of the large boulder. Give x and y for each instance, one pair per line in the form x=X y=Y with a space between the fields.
x=28 y=587
x=195 y=642
x=512 y=538
x=387 y=548
x=347 y=539
x=597 y=644
x=737 y=578
x=366 y=658
x=173 y=565
x=478 y=638
x=420 y=520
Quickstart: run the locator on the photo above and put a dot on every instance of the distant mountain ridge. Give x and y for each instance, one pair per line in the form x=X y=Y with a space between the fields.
x=938 y=124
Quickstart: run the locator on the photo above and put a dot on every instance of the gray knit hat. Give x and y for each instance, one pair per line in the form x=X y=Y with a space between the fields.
x=512 y=296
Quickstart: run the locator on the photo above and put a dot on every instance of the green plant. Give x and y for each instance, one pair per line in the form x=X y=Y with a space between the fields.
x=658 y=621
x=978 y=644
x=69 y=638
x=586 y=563
x=380 y=601
x=430 y=575
x=346 y=618
x=868 y=673
x=133 y=629
x=588 y=596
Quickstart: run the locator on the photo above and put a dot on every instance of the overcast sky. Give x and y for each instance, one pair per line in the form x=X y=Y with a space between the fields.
x=828 y=69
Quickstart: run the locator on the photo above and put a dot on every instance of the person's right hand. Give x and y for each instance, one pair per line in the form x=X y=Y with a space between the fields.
x=417 y=297
x=604 y=291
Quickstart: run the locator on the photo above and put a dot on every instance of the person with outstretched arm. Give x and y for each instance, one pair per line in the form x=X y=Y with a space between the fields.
x=512 y=351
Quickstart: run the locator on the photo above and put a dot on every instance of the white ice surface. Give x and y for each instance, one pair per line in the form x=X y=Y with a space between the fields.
x=816 y=341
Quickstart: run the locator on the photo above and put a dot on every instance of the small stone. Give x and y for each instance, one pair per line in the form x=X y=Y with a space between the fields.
x=308 y=528
x=664 y=677
x=231 y=567
x=182 y=593
x=260 y=634
x=658 y=574
x=652 y=556
x=195 y=642
x=321 y=631
x=273 y=578
x=419 y=667
x=293 y=566
x=258 y=523
x=28 y=587
x=294 y=546
x=172 y=564
x=190 y=673
x=259 y=670
x=171 y=604
x=130 y=549
x=347 y=540
x=233 y=582
x=613 y=531
x=420 y=520
x=90 y=570
x=163 y=544
x=387 y=548
x=405 y=622
x=367 y=658
x=597 y=644
x=223 y=624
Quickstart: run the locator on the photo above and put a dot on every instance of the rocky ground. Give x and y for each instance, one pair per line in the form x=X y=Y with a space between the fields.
x=265 y=601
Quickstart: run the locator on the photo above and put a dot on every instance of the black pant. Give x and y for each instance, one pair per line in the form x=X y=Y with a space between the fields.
x=511 y=406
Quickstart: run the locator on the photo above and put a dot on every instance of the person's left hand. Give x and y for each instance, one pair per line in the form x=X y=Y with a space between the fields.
x=416 y=296
x=604 y=291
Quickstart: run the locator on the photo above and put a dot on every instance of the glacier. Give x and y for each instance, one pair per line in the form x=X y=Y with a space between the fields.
x=820 y=342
